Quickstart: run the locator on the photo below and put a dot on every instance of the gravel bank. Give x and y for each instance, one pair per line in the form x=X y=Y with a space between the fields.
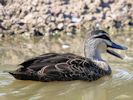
x=49 y=17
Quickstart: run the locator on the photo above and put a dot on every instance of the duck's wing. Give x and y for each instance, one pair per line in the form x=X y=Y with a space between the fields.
x=37 y=63
x=38 y=60
x=75 y=68
x=69 y=67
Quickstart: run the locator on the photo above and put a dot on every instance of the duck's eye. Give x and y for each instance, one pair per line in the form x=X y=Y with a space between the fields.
x=103 y=37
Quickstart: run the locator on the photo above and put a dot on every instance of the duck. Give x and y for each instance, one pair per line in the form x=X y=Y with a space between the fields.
x=68 y=66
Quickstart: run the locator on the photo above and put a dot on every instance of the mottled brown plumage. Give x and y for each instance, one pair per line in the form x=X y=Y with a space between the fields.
x=68 y=66
x=59 y=67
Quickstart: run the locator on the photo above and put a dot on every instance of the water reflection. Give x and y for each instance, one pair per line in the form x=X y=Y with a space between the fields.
x=116 y=87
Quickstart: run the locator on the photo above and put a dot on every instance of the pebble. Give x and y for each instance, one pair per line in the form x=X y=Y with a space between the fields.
x=60 y=26
x=130 y=23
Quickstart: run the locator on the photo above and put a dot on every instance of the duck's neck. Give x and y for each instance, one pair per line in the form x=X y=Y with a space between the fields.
x=92 y=52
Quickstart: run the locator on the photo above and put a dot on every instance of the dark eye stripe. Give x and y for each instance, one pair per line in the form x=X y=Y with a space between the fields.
x=103 y=37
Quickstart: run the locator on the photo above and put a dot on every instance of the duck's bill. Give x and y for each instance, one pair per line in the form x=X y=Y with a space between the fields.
x=114 y=54
x=116 y=46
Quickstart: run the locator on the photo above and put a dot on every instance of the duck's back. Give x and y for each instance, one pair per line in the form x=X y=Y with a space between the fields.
x=58 y=67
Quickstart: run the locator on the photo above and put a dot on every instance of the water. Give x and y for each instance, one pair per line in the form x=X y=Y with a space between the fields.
x=118 y=86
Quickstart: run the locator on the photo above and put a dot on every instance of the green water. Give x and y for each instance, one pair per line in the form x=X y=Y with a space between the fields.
x=118 y=86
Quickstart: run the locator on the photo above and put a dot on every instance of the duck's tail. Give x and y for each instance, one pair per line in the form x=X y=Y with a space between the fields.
x=22 y=75
x=17 y=75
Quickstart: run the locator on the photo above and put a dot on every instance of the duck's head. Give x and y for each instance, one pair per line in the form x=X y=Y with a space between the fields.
x=99 y=41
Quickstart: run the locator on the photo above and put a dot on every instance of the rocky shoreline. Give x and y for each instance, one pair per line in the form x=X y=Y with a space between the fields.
x=50 y=17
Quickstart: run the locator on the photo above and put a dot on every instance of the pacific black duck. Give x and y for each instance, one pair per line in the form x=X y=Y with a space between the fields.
x=68 y=66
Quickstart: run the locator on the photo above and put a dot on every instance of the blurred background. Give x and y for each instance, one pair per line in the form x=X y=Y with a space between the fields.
x=50 y=17
x=29 y=28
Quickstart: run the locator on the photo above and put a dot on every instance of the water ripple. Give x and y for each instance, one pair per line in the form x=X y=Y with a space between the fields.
x=123 y=75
